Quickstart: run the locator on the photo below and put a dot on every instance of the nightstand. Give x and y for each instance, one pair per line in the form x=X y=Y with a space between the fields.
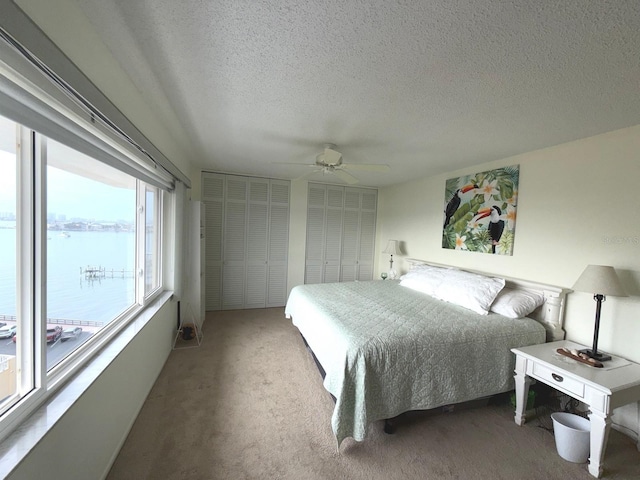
x=602 y=389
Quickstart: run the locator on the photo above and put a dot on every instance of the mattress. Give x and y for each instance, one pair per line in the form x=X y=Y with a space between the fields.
x=387 y=349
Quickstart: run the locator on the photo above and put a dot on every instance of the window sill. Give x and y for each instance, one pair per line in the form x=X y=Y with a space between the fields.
x=27 y=435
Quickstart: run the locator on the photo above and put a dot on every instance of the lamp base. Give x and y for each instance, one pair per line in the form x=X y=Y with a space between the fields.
x=601 y=357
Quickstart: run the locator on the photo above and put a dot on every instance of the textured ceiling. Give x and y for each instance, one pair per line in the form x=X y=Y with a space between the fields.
x=424 y=86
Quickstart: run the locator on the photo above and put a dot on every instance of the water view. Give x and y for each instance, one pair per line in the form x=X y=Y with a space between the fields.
x=72 y=293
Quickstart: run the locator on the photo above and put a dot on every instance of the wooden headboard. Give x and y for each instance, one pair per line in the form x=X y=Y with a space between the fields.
x=550 y=314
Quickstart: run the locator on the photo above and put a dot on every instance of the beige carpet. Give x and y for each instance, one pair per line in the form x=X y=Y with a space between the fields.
x=249 y=404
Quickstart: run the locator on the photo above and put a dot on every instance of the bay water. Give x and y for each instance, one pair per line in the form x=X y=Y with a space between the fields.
x=70 y=294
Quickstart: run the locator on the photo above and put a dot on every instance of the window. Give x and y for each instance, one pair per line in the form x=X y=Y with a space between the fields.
x=83 y=202
x=92 y=232
x=90 y=247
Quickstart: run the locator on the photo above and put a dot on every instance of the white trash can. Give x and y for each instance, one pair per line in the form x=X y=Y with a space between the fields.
x=573 y=436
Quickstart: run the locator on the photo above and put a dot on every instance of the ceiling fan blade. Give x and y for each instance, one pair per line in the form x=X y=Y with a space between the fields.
x=308 y=174
x=366 y=167
x=346 y=176
x=295 y=164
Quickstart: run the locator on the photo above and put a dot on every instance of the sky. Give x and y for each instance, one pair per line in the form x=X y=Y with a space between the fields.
x=71 y=195
x=7 y=182
x=79 y=197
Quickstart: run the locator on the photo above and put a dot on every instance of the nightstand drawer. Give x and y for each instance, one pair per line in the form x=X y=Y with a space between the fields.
x=563 y=382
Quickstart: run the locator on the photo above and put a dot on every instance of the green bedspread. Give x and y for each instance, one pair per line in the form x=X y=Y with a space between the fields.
x=387 y=349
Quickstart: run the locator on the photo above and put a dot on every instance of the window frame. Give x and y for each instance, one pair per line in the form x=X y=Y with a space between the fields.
x=29 y=379
x=146 y=296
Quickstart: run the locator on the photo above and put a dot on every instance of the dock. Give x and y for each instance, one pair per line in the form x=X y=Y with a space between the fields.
x=92 y=272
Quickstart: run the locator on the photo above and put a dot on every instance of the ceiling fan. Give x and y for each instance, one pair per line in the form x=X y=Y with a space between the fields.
x=330 y=162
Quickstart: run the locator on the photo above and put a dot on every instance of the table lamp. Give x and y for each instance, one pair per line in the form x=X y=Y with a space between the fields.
x=600 y=280
x=392 y=249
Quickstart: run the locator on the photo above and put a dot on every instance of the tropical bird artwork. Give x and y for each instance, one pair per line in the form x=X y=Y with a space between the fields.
x=496 y=225
x=480 y=211
x=455 y=202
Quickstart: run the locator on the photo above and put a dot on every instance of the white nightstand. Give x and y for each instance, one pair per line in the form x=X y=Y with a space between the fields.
x=602 y=389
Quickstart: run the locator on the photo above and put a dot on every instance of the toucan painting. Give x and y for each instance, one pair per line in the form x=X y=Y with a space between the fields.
x=455 y=201
x=480 y=211
x=496 y=225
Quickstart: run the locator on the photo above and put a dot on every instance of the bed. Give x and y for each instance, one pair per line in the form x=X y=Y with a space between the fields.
x=386 y=347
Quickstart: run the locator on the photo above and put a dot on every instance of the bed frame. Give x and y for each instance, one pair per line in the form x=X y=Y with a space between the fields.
x=550 y=314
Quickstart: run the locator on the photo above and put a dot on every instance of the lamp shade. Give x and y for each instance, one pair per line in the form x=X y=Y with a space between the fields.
x=600 y=279
x=392 y=248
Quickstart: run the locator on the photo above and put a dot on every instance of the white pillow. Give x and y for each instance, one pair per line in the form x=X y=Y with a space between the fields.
x=424 y=278
x=420 y=270
x=469 y=290
x=425 y=285
x=426 y=271
x=516 y=303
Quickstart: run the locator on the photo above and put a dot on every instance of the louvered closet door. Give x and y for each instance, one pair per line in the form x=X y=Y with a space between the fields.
x=247 y=241
x=350 y=236
x=314 y=254
x=235 y=238
x=333 y=229
x=278 y=243
x=213 y=198
x=257 y=243
x=341 y=229
x=366 y=247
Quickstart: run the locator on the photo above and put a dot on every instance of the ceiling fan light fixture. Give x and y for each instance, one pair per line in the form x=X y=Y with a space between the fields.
x=330 y=162
x=323 y=160
x=332 y=157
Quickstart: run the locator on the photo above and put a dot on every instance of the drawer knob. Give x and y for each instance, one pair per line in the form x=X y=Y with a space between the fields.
x=557 y=377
